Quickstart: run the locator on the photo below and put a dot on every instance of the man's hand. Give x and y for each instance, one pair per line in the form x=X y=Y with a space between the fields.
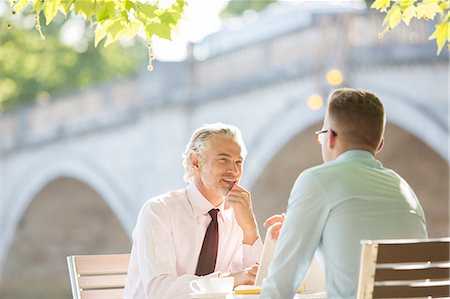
x=240 y=200
x=276 y=222
x=246 y=277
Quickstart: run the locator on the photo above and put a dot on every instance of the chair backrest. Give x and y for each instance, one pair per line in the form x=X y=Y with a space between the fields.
x=98 y=276
x=404 y=269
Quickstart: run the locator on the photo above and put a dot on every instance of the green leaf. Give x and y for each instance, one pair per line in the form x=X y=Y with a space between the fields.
x=147 y=10
x=441 y=34
x=37 y=6
x=66 y=6
x=444 y=5
x=408 y=14
x=131 y=30
x=404 y=4
x=163 y=31
x=19 y=6
x=169 y=17
x=158 y=29
x=113 y=32
x=393 y=17
x=105 y=10
x=427 y=10
x=100 y=32
x=381 y=5
x=129 y=5
x=50 y=10
x=111 y=29
x=181 y=5
x=85 y=7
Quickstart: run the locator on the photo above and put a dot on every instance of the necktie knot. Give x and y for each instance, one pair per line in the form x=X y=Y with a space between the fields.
x=213 y=213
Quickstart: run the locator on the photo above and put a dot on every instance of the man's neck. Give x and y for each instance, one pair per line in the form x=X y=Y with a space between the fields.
x=214 y=199
x=342 y=150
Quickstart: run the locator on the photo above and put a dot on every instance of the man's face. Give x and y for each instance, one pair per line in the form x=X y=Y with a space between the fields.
x=220 y=170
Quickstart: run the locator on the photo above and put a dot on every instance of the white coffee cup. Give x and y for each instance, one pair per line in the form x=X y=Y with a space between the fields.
x=213 y=285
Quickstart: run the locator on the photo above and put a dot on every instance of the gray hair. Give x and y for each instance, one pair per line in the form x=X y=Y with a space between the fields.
x=200 y=140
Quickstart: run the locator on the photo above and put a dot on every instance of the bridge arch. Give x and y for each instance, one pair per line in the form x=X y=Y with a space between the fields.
x=74 y=166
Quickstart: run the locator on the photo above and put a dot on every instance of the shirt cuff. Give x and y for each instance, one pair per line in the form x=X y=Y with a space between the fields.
x=252 y=253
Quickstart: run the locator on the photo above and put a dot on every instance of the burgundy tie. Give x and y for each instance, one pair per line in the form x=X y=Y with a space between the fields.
x=208 y=254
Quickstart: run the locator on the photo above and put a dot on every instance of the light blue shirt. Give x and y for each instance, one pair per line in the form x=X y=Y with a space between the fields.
x=332 y=207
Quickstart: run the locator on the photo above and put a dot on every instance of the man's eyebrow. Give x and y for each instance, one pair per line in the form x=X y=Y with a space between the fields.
x=227 y=155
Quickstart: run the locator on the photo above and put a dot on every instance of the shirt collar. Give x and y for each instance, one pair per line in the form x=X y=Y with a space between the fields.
x=361 y=155
x=200 y=205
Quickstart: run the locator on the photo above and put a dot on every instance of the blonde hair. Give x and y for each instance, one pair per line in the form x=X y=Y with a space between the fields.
x=200 y=140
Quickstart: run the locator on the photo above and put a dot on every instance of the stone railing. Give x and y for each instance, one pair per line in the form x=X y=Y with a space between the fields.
x=328 y=37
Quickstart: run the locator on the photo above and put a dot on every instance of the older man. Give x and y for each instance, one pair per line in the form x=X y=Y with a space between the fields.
x=205 y=229
x=348 y=198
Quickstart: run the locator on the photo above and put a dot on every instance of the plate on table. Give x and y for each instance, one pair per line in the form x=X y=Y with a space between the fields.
x=209 y=295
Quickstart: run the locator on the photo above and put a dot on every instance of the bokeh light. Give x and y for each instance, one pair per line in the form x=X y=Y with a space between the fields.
x=315 y=102
x=335 y=77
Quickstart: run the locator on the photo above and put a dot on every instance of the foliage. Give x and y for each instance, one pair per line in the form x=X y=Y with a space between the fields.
x=405 y=10
x=31 y=69
x=112 y=19
x=238 y=7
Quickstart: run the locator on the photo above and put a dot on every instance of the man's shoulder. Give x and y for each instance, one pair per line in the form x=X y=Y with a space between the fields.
x=166 y=200
x=324 y=171
x=319 y=169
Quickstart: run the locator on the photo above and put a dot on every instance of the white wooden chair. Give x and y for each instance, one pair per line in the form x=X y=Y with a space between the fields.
x=98 y=276
x=405 y=269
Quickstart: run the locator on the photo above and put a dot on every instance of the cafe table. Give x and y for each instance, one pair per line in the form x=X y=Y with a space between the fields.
x=303 y=295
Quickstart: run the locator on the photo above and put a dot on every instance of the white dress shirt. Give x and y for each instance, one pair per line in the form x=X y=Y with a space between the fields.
x=167 y=241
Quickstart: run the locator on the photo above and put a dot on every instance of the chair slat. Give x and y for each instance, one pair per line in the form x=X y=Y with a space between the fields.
x=102 y=294
x=416 y=274
x=410 y=292
x=98 y=276
x=435 y=251
x=102 y=264
x=102 y=281
x=405 y=269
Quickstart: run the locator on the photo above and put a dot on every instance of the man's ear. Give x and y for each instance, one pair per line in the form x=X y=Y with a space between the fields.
x=195 y=160
x=331 y=140
x=380 y=146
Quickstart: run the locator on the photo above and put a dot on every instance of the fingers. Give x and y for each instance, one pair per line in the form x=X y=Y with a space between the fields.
x=238 y=195
x=240 y=200
x=274 y=219
x=236 y=187
x=275 y=223
x=246 y=277
x=252 y=270
x=275 y=230
x=271 y=220
x=250 y=274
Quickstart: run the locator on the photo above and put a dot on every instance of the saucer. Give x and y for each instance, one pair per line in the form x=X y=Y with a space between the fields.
x=209 y=295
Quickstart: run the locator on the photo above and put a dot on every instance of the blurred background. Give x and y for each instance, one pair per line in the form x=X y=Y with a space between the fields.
x=87 y=134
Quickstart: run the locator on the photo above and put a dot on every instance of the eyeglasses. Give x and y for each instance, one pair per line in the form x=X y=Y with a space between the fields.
x=319 y=135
